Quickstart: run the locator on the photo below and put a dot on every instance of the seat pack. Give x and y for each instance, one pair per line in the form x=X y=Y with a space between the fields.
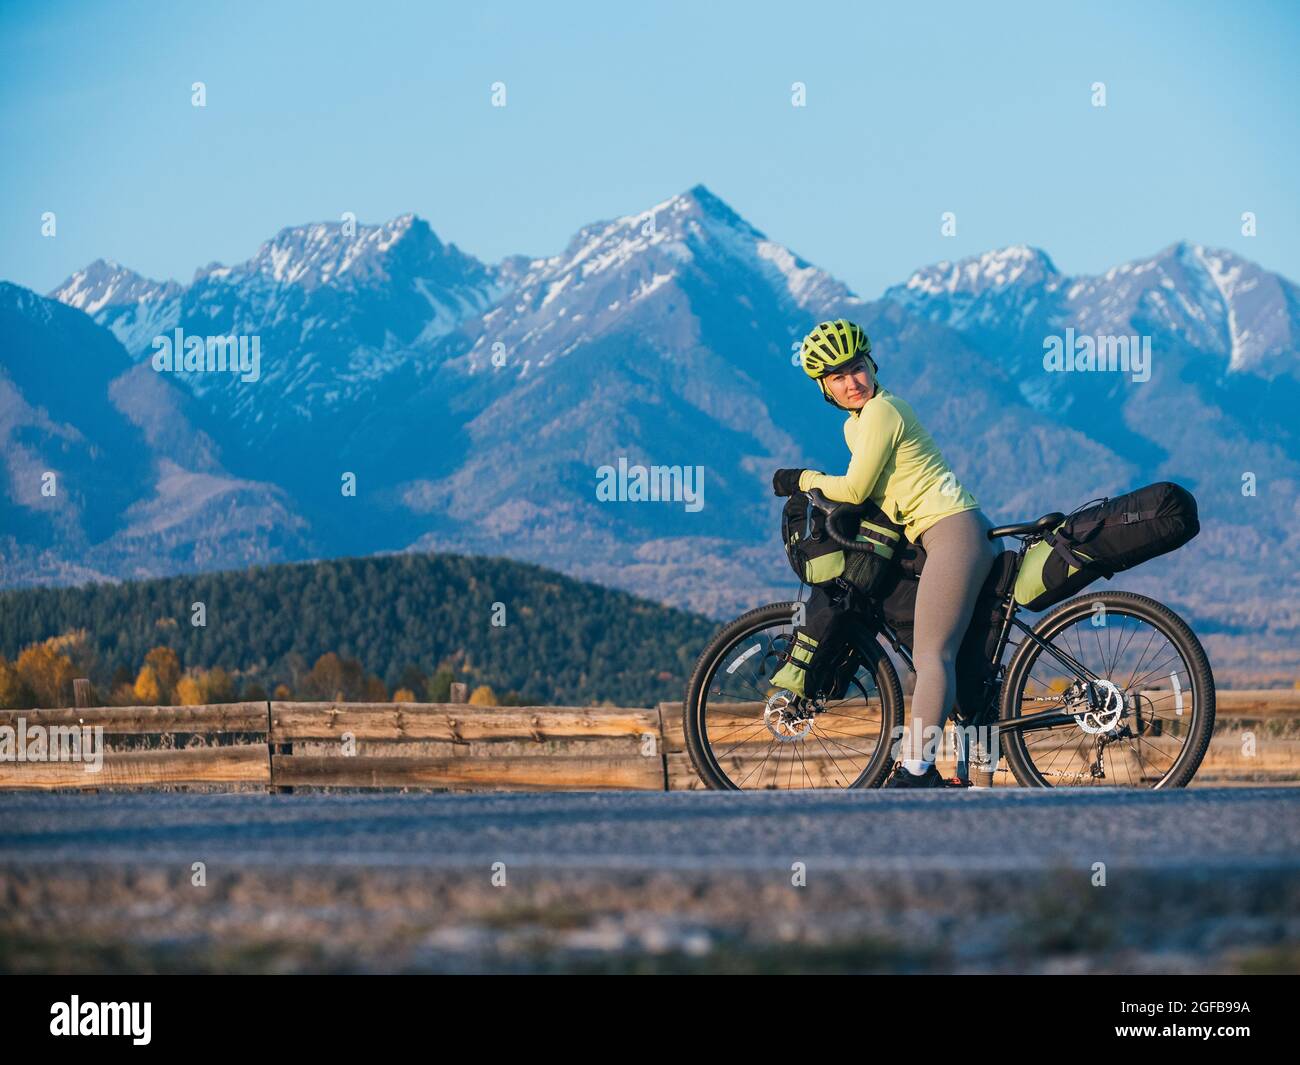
x=1104 y=539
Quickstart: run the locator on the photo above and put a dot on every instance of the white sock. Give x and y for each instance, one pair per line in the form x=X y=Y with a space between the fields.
x=916 y=766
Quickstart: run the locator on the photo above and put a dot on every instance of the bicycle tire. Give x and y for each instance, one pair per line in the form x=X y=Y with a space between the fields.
x=694 y=704
x=1160 y=618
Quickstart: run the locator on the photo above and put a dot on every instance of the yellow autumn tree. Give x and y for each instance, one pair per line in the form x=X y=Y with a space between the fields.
x=79 y=650
x=148 y=692
x=189 y=691
x=47 y=674
x=199 y=687
x=403 y=695
x=14 y=694
x=483 y=696
x=166 y=669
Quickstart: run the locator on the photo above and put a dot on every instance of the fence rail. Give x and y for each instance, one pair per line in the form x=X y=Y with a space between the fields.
x=283 y=746
x=288 y=745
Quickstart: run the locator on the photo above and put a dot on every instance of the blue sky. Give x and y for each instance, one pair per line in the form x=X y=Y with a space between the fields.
x=381 y=108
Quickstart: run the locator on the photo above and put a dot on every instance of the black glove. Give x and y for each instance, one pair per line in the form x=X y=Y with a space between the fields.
x=785 y=482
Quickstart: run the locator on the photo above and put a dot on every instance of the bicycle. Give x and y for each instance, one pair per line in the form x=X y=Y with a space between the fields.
x=1055 y=707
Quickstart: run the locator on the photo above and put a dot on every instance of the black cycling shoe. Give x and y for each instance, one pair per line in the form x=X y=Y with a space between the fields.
x=902 y=778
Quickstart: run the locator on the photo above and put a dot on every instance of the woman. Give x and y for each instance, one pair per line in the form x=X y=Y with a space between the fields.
x=897 y=465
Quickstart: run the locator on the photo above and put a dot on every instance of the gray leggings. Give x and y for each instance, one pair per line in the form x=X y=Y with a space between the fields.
x=958 y=557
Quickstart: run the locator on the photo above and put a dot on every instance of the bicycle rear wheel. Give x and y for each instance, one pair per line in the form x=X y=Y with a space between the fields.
x=1153 y=710
x=743 y=734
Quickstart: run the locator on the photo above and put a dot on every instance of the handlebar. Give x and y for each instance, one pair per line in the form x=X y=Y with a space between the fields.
x=831 y=509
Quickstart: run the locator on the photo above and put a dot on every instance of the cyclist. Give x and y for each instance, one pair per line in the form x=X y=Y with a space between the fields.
x=896 y=464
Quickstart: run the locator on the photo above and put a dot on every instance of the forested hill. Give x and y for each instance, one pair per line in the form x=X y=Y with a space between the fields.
x=528 y=633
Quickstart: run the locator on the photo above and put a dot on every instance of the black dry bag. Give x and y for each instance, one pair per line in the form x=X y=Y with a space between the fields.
x=1102 y=540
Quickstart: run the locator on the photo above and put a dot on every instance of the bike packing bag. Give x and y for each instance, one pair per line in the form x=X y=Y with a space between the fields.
x=815 y=647
x=1102 y=540
x=818 y=560
x=815 y=558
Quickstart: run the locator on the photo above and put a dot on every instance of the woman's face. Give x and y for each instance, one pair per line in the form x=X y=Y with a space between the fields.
x=851 y=385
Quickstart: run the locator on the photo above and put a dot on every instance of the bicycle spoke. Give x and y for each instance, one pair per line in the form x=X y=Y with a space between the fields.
x=1128 y=683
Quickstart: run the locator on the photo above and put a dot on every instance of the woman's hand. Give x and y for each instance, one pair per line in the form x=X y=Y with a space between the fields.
x=785 y=482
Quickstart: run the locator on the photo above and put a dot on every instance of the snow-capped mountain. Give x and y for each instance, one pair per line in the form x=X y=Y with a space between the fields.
x=342 y=319
x=971 y=283
x=618 y=265
x=475 y=403
x=1216 y=410
x=1208 y=299
x=336 y=308
x=134 y=308
x=108 y=472
x=1213 y=300
x=631 y=342
x=1210 y=319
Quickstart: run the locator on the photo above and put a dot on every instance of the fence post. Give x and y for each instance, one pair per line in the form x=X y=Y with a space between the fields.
x=272 y=749
x=81 y=700
x=459 y=692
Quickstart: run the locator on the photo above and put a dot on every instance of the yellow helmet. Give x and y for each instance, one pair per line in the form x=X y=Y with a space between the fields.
x=832 y=344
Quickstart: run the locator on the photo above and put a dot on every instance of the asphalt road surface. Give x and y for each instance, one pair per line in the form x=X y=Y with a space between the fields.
x=863 y=830
x=1064 y=880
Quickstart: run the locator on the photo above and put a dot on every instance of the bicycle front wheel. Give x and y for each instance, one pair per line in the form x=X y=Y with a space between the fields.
x=744 y=734
x=1148 y=719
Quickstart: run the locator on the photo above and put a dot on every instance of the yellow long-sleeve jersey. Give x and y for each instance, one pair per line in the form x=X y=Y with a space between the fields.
x=896 y=464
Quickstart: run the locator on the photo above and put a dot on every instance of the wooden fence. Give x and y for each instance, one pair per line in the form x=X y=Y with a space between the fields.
x=287 y=746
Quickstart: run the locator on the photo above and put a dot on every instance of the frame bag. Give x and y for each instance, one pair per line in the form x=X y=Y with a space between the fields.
x=1102 y=540
x=973 y=667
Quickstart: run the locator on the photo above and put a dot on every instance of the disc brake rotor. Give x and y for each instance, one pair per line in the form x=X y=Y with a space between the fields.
x=1107 y=717
x=786 y=719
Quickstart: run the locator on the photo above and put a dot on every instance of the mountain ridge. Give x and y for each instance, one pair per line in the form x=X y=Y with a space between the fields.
x=669 y=336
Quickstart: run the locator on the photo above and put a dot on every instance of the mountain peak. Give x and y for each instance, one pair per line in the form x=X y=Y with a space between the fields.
x=1020 y=265
x=641 y=253
x=1192 y=254
x=1248 y=303
x=319 y=253
x=699 y=197
x=106 y=283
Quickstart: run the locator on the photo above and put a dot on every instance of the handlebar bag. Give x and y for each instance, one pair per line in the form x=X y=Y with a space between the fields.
x=815 y=558
x=1105 y=539
x=818 y=560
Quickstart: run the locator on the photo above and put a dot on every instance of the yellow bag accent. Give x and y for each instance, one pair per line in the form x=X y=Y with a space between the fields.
x=824 y=567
